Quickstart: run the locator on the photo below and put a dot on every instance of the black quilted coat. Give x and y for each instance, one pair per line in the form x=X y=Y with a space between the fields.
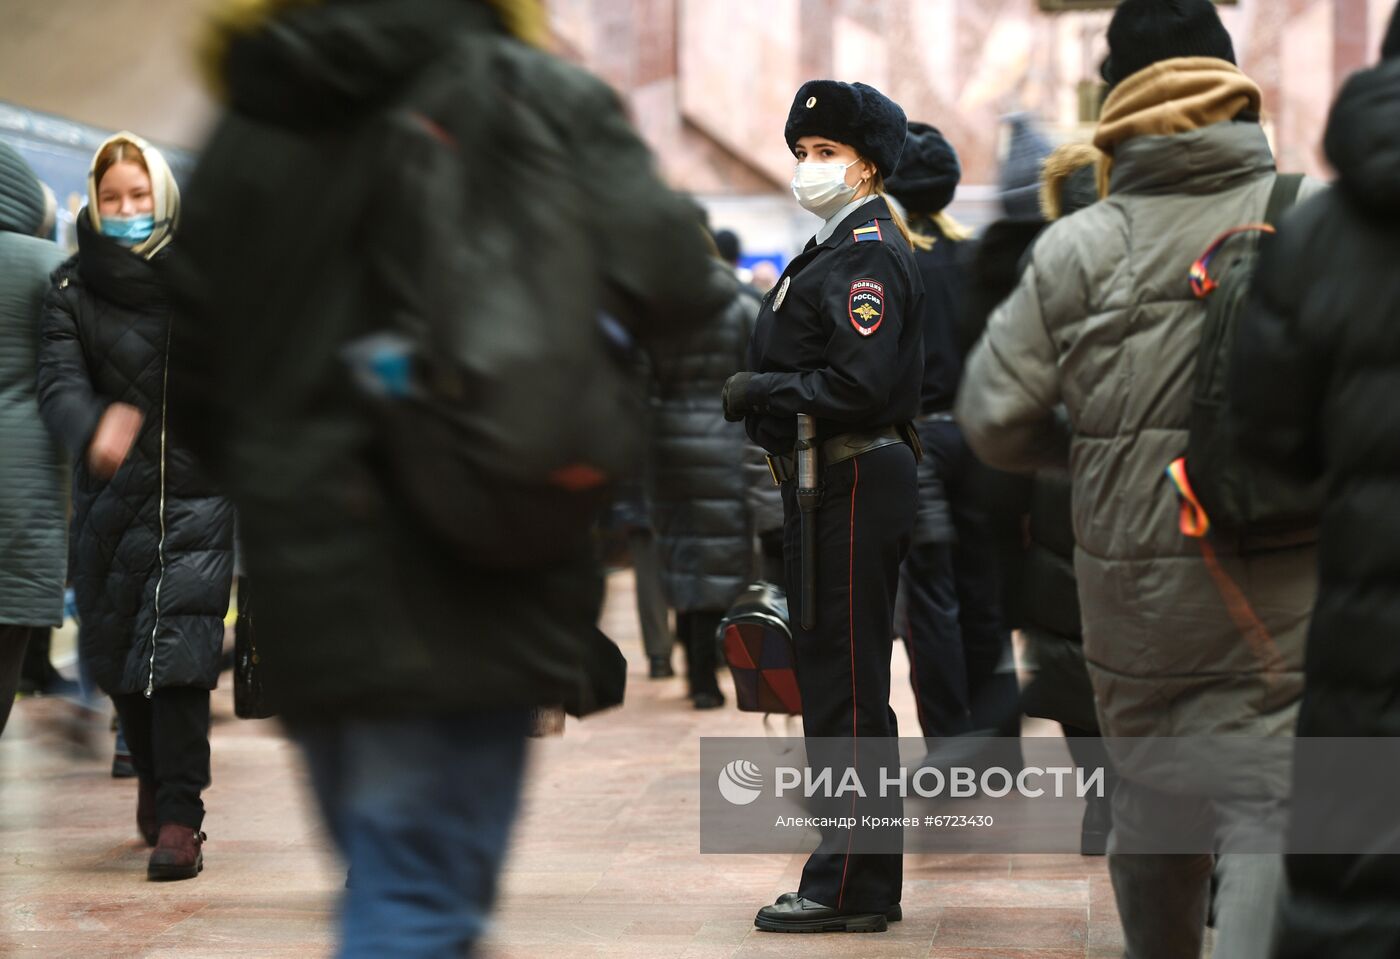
x=152 y=548
x=699 y=483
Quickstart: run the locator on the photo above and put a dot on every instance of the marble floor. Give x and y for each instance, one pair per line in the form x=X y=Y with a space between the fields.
x=605 y=862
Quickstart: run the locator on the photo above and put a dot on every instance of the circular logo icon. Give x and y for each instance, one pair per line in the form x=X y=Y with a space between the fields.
x=811 y=102
x=741 y=782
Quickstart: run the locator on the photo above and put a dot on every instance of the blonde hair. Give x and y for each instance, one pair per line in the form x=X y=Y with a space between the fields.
x=877 y=188
x=927 y=228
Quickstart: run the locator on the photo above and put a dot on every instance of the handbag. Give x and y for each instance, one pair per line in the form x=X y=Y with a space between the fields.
x=760 y=652
x=249 y=700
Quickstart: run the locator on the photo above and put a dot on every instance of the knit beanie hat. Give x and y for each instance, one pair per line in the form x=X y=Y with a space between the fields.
x=1144 y=32
x=1390 y=50
x=21 y=196
x=1020 y=173
x=928 y=171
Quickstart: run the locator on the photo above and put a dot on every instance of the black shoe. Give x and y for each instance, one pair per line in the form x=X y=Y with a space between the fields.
x=894 y=913
x=804 y=915
x=1098 y=822
x=708 y=700
x=661 y=667
x=122 y=767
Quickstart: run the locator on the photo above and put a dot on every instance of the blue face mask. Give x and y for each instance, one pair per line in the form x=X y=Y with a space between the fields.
x=129 y=230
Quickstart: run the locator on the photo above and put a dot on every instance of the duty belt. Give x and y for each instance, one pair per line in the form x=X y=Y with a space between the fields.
x=847 y=446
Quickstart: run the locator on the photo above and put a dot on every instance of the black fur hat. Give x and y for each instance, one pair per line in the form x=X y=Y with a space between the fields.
x=1390 y=49
x=851 y=113
x=928 y=171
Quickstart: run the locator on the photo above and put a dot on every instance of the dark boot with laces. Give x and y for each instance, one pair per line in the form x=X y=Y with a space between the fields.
x=178 y=853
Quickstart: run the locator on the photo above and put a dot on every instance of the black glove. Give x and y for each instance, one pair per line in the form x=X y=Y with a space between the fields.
x=736 y=404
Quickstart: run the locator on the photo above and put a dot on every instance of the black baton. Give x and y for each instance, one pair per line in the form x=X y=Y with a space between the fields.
x=808 y=496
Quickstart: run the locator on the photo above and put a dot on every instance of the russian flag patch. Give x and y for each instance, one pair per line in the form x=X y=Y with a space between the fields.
x=869 y=232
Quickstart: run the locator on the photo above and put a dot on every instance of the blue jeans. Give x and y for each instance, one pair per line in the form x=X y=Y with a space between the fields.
x=421 y=809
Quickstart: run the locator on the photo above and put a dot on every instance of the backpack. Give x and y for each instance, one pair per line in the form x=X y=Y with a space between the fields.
x=1245 y=503
x=496 y=369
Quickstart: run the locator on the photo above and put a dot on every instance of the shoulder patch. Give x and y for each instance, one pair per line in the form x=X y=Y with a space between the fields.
x=866 y=305
x=868 y=233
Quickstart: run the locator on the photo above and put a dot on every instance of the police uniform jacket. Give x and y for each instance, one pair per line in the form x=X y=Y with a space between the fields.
x=840 y=337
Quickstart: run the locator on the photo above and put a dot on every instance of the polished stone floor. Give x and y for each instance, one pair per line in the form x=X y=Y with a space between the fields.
x=606 y=861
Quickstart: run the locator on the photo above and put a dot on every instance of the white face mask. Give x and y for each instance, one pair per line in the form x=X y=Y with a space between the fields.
x=821 y=188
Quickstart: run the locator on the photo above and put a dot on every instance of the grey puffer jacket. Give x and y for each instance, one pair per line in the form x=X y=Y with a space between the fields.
x=700 y=486
x=1104 y=323
x=152 y=545
x=33 y=543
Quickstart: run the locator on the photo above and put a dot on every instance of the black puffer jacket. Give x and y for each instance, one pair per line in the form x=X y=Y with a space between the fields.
x=363 y=611
x=1314 y=382
x=1031 y=514
x=700 y=488
x=152 y=548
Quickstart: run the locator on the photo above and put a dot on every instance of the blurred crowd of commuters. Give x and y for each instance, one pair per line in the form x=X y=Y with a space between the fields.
x=1057 y=351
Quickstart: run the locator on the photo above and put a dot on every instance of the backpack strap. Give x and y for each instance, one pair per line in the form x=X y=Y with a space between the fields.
x=1282 y=197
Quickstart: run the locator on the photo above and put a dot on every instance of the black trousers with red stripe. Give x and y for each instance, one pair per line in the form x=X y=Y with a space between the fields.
x=864 y=527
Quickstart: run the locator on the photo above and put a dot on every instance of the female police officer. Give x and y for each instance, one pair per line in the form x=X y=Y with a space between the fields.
x=839 y=339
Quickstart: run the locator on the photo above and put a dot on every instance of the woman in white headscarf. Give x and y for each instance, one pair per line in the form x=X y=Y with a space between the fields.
x=151 y=540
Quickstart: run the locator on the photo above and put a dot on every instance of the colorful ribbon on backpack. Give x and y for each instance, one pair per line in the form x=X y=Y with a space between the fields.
x=1202 y=283
x=1194 y=523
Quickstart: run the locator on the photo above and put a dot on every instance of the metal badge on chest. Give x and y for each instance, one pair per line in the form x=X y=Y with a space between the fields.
x=782 y=294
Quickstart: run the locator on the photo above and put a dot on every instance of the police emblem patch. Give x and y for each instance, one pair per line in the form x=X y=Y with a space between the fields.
x=782 y=294
x=866 y=306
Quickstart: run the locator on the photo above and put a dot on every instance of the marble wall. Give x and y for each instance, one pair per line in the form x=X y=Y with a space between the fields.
x=709 y=81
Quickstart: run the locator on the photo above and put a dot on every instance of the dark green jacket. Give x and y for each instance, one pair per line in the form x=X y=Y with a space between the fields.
x=33 y=544
x=360 y=609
